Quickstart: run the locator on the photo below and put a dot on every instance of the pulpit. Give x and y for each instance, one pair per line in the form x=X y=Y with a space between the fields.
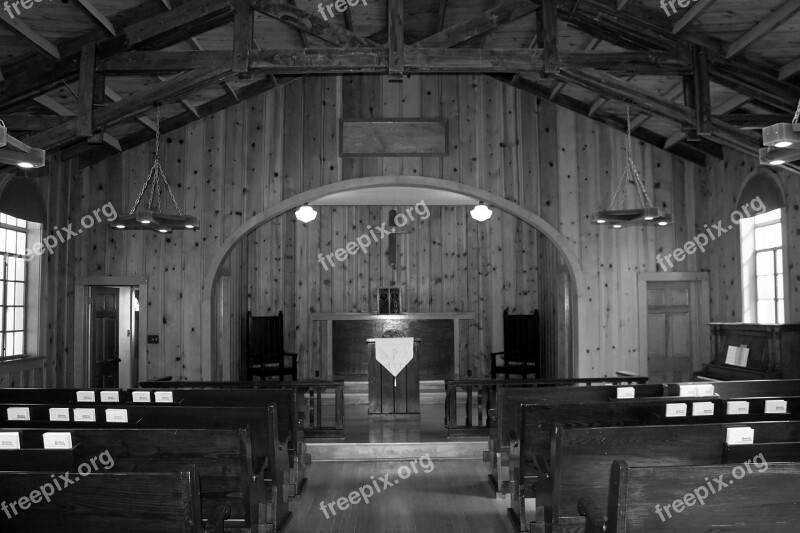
x=390 y=395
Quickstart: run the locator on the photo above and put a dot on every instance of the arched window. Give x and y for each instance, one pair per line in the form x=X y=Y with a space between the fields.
x=762 y=239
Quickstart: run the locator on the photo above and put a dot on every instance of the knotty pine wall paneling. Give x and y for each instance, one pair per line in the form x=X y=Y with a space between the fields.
x=231 y=165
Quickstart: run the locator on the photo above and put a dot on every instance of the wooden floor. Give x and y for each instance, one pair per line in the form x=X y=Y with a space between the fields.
x=454 y=497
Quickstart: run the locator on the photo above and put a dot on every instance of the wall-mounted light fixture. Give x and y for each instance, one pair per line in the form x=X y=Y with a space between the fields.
x=481 y=213
x=305 y=214
x=15 y=152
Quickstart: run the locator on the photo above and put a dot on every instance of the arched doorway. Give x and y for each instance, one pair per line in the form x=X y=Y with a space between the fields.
x=578 y=290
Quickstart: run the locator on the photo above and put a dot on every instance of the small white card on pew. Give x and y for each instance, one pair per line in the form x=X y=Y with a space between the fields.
x=687 y=390
x=625 y=392
x=676 y=409
x=84 y=415
x=775 y=406
x=57 y=440
x=739 y=435
x=109 y=396
x=702 y=408
x=117 y=415
x=141 y=396
x=9 y=440
x=739 y=407
x=59 y=414
x=705 y=389
x=19 y=413
x=164 y=396
x=85 y=396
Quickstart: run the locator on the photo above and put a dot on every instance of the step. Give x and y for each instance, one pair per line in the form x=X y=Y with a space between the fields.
x=395 y=451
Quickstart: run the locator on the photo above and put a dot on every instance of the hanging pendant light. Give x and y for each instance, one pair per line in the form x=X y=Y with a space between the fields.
x=647 y=215
x=15 y=152
x=781 y=142
x=148 y=218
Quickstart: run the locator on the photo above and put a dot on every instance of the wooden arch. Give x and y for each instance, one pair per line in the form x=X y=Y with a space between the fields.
x=578 y=286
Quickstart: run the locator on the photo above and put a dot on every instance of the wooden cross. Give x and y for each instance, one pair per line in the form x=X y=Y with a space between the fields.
x=392 y=226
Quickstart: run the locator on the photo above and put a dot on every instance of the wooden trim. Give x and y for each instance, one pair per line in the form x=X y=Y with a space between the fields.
x=699 y=292
x=22 y=363
x=81 y=377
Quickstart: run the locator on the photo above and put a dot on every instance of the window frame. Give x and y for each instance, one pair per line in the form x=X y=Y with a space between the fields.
x=747 y=248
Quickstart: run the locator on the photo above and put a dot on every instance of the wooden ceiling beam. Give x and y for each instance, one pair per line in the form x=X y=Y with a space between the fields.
x=184 y=119
x=51 y=105
x=89 y=8
x=31 y=37
x=549 y=36
x=607 y=85
x=31 y=78
x=396 y=44
x=19 y=122
x=730 y=104
x=302 y=35
x=775 y=19
x=789 y=69
x=639 y=28
x=311 y=24
x=684 y=151
x=173 y=89
x=442 y=15
x=671 y=94
x=242 y=35
x=179 y=24
x=86 y=92
x=751 y=121
x=485 y=23
x=164 y=62
x=692 y=15
x=591 y=45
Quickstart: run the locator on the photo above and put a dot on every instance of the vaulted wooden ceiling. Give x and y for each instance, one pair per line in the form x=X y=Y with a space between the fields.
x=84 y=75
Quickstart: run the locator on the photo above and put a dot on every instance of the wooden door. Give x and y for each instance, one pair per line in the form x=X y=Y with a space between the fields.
x=104 y=331
x=673 y=321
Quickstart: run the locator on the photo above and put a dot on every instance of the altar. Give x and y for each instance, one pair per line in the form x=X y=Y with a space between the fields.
x=345 y=353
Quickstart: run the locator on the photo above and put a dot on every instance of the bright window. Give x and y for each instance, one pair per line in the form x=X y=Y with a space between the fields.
x=762 y=268
x=13 y=242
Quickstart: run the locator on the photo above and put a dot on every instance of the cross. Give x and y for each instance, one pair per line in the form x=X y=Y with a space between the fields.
x=393 y=238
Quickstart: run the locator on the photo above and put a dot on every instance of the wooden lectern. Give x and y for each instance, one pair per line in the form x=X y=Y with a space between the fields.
x=384 y=397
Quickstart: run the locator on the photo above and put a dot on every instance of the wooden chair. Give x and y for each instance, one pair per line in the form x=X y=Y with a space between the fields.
x=264 y=354
x=521 y=346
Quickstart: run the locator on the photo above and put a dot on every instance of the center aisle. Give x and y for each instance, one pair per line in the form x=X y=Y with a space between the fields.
x=442 y=496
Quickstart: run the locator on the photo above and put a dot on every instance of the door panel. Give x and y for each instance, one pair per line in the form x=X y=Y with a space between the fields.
x=671 y=319
x=105 y=359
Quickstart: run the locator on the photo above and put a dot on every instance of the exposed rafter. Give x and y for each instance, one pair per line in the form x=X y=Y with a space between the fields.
x=37 y=41
x=95 y=14
x=775 y=19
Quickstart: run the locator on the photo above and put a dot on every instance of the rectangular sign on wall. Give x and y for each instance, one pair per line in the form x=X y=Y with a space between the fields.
x=393 y=137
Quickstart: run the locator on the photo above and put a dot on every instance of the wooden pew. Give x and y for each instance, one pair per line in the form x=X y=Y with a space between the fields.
x=269 y=453
x=529 y=453
x=485 y=392
x=775 y=452
x=580 y=458
x=223 y=459
x=289 y=429
x=506 y=416
x=308 y=394
x=738 y=389
x=759 y=502
x=151 y=501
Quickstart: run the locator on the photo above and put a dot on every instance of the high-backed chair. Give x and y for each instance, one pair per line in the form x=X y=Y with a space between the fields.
x=264 y=354
x=521 y=347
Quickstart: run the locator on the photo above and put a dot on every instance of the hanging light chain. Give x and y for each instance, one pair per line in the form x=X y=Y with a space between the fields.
x=156 y=175
x=630 y=173
x=796 y=113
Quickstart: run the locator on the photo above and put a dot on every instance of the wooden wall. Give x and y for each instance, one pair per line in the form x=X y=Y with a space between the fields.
x=231 y=165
